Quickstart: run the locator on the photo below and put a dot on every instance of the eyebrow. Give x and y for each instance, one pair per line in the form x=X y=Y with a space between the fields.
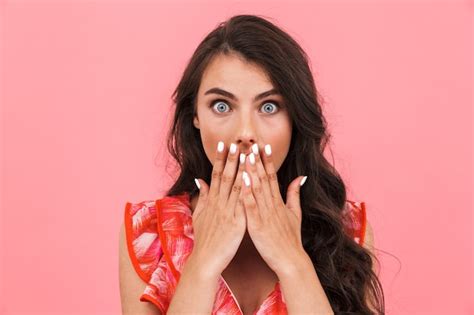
x=220 y=91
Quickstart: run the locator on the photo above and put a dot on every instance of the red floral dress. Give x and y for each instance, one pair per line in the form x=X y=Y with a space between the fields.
x=160 y=237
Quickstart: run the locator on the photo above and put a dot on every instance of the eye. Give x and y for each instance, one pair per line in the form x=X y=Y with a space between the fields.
x=221 y=104
x=267 y=103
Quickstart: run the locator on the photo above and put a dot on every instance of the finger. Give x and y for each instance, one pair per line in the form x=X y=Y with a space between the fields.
x=239 y=211
x=293 y=202
x=217 y=169
x=228 y=175
x=272 y=175
x=237 y=187
x=256 y=186
x=203 y=193
x=250 y=205
x=262 y=176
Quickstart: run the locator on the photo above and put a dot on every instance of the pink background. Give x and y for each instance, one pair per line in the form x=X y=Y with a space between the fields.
x=86 y=90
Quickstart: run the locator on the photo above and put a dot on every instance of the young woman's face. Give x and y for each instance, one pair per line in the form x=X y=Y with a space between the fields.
x=243 y=120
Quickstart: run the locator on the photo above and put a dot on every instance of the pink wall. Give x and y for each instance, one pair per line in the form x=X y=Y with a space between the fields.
x=86 y=91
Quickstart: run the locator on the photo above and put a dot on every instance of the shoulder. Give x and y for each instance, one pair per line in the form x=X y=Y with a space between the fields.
x=131 y=286
x=140 y=235
x=369 y=244
x=369 y=236
x=354 y=219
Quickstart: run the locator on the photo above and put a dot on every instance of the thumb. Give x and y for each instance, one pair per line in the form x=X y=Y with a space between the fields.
x=203 y=193
x=293 y=202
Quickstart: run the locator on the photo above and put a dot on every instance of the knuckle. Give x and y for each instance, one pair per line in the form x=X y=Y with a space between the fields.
x=252 y=206
x=258 y=189
x=272 y=176
x=263 y=178
x=226 y=178
x=236 y=188
x=216 y=174
x=275 y=199
x=232 y=158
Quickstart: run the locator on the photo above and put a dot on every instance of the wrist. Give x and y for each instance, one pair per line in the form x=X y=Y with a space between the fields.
x=197 y=268
x=299 y=265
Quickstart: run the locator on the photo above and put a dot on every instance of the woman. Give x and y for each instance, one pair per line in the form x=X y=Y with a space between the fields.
x=255 y=240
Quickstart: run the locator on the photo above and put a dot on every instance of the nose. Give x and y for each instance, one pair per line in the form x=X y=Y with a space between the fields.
x=246 y=134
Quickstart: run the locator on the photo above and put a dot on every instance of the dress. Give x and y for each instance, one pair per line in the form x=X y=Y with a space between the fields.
x=159 y=237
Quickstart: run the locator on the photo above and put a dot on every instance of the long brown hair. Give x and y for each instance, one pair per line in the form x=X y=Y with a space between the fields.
x=343 y=266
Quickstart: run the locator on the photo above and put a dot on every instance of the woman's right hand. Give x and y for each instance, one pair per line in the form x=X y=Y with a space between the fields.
x=219 y=221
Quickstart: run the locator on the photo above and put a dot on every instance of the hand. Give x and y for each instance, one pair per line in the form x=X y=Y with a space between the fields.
x=274 y=227
x=219 y=221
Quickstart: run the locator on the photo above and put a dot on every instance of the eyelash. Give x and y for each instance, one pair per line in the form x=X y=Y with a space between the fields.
x=213 y=102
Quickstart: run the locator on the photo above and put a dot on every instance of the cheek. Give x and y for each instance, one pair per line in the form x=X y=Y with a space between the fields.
x=210 y=138
x=280 y=140
x=279 y=151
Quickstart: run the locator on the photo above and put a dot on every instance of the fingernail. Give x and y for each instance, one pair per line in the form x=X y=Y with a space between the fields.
x=233 y=148
x=242 y=158
x=268 y=149
x=246 y=178
x=255 y=149
x=252 y=158
x=303 y=180
x=197 y=183
x=220 y=146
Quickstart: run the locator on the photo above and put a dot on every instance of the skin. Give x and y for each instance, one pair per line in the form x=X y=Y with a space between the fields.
x=242 y=121
x=245 y=121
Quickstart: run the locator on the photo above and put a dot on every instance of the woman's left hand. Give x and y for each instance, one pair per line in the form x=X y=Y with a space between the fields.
x=273 y=226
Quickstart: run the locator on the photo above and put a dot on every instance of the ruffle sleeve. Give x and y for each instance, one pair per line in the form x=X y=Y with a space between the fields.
x=146 y=251
x=354 y=218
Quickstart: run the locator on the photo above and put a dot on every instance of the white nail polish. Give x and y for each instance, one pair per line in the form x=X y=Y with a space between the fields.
x=303 y=180
x=268 y=149
x=252 y=158
x=197 y=183
x=233 y=148
x=255 y=149
x=242 y=158
x=220 y=146
x=246 y=178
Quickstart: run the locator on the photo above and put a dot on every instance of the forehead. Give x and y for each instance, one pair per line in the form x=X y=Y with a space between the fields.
x=233 y=71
